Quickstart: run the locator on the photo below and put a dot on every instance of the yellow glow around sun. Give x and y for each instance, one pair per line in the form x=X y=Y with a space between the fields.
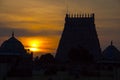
x=35 y=45
x=40 y=44
x=34 y=49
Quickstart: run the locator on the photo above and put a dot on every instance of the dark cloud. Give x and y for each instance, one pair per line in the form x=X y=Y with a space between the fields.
x=5 y=31
x=19 y=22
x=109 y=27
x=109 y=31
x=116 y=20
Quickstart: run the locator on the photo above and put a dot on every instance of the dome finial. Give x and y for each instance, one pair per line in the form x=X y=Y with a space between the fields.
x=13 y=34
x=111 y=43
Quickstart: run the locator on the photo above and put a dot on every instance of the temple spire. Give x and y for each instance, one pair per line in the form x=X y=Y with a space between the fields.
x=111 y=43
x=67 y=7
x=13 y=34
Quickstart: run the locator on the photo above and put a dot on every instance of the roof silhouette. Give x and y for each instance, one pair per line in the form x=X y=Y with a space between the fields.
x=12 y=45
x=111 y=53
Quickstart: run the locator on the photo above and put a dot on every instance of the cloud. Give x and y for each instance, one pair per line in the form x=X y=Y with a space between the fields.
x=110 y=31
x=5 y=31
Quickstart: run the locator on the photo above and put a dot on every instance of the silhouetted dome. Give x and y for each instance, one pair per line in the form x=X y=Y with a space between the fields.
x=12 y=45
x=111 y=53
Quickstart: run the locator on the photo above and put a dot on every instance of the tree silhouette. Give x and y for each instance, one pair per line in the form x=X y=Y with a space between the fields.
x=36 y=60
x=47 y=62
x=47 y=59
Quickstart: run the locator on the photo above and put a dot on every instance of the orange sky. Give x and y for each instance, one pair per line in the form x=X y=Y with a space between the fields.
x=43 y=20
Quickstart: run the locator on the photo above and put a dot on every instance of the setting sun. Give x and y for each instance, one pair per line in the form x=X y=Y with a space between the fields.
x=40 y=45
x=34 y=49
x=34 y=45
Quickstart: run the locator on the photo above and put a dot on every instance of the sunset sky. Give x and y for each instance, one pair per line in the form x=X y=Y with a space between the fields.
x=39 y=23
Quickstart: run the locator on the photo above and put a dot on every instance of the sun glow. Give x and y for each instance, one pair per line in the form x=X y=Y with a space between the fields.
x=40 y=45
x=34 y=49
x=34 y=45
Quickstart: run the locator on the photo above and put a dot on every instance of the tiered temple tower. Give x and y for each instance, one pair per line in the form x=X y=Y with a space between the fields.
x=79 y=30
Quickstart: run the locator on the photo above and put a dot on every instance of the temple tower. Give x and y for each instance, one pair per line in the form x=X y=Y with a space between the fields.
x=79 y=30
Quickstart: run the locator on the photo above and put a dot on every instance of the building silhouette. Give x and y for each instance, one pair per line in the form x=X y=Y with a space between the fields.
x=79 y=31
x=111 y=54
x=15 y=61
